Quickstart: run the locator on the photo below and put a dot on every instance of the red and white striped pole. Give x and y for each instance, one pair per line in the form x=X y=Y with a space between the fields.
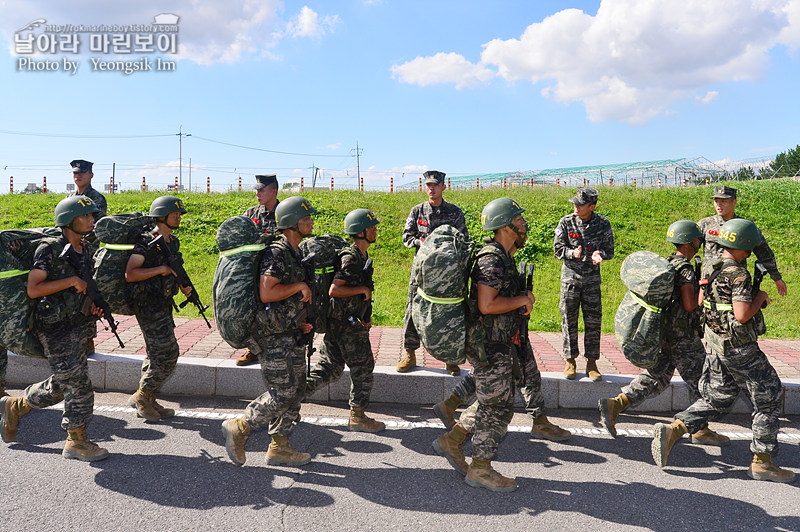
x=176 y=183
x=584 y=182
x=634 y=182
x=683 y=182
x=420 y=184
x=240 y=183
x=331 y=183
x=391 y=185
x=505 y=185
x=659 y=182
x=361 y=185
x=448 y=182
x=11 y=183
x=301 y=184
x=208 y=184
x=558 y=181
x=144 y=184
x=708 y=180
x=44 y=184
x=611 y=181
x=478 y=183
x=531 y=181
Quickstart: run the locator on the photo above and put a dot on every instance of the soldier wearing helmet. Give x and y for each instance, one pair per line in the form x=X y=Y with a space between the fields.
x=582 y=240
x=152 y=285
x=276 y=340
x=734 y=361
x=346 y=339
x=725 y=199
x=421 y=222
x=60 y=325
x=681 y=346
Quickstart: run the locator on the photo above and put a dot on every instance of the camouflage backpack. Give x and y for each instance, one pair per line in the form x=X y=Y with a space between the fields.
x=441 y=272
x=639 y=319
x=17 y=247
x=117 y=235
x=320 y=258
x=235 y=286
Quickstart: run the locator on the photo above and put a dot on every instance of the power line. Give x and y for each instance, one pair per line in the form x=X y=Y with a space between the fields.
x=268 y=151
x=71 y=135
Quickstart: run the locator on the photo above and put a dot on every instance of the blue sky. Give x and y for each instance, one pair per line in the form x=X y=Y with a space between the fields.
x=464 y=87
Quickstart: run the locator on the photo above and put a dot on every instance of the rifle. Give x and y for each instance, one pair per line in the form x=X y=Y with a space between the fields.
x=309 y=314
x=176 y=263
x=93 y=295
x=758 y=276
x=365 y=315
x=698 y=272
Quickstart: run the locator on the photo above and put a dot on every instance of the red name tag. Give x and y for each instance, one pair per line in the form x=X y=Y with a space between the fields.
x=574 y=235
x=715 y=233
x=422 y=222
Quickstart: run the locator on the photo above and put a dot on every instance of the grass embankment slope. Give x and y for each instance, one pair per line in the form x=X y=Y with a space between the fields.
x=639 y=218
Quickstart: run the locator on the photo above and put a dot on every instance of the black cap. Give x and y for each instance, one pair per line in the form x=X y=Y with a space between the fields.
x=434 y=176
x=584 y=196
x=265 y=181
x=79 y=165
x=724 y=192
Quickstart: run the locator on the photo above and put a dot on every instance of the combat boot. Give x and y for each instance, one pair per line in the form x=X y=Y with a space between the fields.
x=446 y=410
x=610 y=409
x=592 y=372
x=281 y=453
x=163 y=411
x=664 y=437
x=570 y=369
x=543 y=429
x=3 y=392
x=762 y=468
x=453 y=369
x=480 y=474
x=11 y=410
x=247 y=358
x=451 y=446
x=80 y=447
x=706 y=436
x=142 y=401
x=360 y=422
x=236 y=432
x=408 y=362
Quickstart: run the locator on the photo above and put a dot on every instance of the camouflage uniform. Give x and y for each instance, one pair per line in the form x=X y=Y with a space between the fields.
x=709 y=227
x=735 y=363
x=97 y=198
x=496 y=376
x=263 y=217
x=276 y=341
x=346 y=340
x=62 y=334
x=681 y=347
x=422 y=220
x=152 y=301
x=580 y=280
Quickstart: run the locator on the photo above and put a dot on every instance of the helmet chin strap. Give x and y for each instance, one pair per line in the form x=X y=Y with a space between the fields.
x=363 y=236
x=82 y=233
x=522 y=236
x=163 y=220
x=296 y=229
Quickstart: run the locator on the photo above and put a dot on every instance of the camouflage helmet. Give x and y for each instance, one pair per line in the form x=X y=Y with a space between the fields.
x=359 y=220
x=289 y=211
x=499 y=213
x=683 y=232
x=164 y=205
x=70 y=208
x=739 y=233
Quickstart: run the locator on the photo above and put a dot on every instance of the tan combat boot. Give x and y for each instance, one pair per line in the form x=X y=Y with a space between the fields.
x=664 y=437
x=281 y=453
x=570 y=369
x=142 y=401
x=762 y=468
x=543 y=429
x=592 y=372
x=360 y=422
x=247 y=358
x=163 y=411
x=446 y=410
x=706 y=436
x=451 y=446
x=481 y=475
x=610 y=409
x=3 y=392
x=11 y=410
x=80 y=447
x=236 y=432
x=408 y=362
x=453 y=369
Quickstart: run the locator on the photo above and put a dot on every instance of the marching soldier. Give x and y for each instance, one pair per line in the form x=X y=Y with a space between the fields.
x=60 y=325
x=422 y=220
x=277 y=340
x=152 y=285
x=346 y=340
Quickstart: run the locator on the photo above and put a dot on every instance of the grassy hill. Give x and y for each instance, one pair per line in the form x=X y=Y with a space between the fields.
x=639 y=218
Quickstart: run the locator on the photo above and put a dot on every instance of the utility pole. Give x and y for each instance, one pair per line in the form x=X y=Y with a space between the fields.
x=181 y=134
x=358 y=162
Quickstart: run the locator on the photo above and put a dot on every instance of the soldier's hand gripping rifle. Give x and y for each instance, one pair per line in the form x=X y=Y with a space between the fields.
x=176 y=263
x=365 y=315
x=758 y=276
x=93 y=295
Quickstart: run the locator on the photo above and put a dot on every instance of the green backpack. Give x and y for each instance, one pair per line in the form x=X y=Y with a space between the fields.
x=320 y=258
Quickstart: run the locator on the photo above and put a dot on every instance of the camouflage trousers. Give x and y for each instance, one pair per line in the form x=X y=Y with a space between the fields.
x=283 y=369
x=745 y=369
x=530 y=386
x=585 y=297
x=345 y=344
x=65 y=348
x=410 y=335
x=684 y=354
x=488 y=418
x=3 y=362
x=158 y=329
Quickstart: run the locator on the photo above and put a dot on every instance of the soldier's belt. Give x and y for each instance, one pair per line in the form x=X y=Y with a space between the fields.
x=440 y=300
x=645 y=304
x=241 y=249
x=716 y=306
x=12 y=273
x=117 y=247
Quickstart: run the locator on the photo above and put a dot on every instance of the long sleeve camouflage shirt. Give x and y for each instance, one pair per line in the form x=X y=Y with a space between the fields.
x=424 y=218
x=591 y=236
x=263 y=217
x=709 y=227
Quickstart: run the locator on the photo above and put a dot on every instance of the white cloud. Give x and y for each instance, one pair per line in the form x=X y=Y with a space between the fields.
x=708 y=98
x=631 y=60
x=307 y=23
x=334 y=147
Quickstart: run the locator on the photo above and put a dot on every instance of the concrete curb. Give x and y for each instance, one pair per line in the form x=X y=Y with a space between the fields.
x=222 y=377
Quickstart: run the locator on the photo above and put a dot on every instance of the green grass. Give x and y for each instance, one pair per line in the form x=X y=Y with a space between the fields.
x=639 y=218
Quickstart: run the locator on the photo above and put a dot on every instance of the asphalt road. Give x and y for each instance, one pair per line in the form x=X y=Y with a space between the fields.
x=175 y=475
